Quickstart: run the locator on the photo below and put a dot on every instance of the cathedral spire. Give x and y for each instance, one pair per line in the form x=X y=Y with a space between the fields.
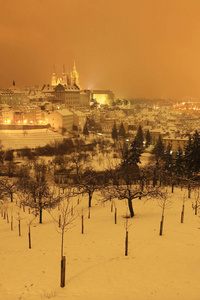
x=74 y=68
x=75 y=76
x=53 y=78
x=64 y=77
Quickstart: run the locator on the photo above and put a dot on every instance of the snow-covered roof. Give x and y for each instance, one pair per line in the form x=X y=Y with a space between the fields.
x=64 y=112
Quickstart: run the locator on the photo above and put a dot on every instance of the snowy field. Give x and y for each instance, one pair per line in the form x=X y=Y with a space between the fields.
x=157 y=267
x=16 y=139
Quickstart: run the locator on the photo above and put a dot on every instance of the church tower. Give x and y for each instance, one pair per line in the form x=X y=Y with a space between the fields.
x=68 y=79
x=64 y=76
x=53 y=78
x=75 y=77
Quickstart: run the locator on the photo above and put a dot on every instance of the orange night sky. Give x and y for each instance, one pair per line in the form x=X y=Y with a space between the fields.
x=142 y=48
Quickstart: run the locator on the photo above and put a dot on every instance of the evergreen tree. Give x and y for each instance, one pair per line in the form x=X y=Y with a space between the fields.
x=85 y=130
x=168 y=158
x=122 y=131
x=148 y=139
x=132 y=156
x=179 y=166
x=192 y=154
x=114 y=132
x=139 y=139
x=187 y=161
x=159 y=149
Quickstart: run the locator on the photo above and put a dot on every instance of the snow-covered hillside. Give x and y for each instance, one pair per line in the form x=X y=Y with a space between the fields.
x=157 y=267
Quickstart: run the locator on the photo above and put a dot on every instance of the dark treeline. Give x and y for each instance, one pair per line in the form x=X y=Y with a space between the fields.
x=127 y=180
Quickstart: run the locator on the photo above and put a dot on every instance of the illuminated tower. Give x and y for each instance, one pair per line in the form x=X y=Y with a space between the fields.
x=75 y=77
x=68 y=79
x=53 y=79
x=64 y=76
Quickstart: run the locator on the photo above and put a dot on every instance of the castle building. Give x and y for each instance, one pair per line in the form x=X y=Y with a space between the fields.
x=66 y=89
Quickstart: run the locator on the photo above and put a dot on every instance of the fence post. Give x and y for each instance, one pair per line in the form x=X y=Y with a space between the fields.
x=115 y=215
x=126 y=244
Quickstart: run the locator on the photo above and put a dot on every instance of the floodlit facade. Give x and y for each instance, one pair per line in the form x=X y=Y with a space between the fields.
x=72 y=80
x=103 y=96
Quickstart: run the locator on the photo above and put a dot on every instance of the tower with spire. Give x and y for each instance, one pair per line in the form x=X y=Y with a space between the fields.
x=75 y=77
x=64 y=76
x=53 y=78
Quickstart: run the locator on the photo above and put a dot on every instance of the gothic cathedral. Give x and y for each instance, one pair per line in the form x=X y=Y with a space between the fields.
x=66 y=80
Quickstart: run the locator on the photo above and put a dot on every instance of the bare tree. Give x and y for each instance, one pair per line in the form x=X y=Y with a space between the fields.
x=64 y=223
x=165 y=203
x=9 y=187
x=78 y=161
x=125 y=186
x=88 y=182
x=19 y=218
x=37 y=192
x=196 y=202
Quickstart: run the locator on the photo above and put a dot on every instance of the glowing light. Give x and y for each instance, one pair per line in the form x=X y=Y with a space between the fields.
x=8 y=121
x=25 y=121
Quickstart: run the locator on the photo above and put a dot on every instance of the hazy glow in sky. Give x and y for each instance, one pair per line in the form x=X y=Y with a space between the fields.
x=143 y=48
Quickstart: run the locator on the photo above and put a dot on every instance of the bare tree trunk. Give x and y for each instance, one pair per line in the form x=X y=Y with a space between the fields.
x=196 y=206
x=12 y=223
x=29 y=237
x=11 y=196
x=130 y=206
x=40 y=215
x=82 y=226
x=161 y=225
x=189 y=191
x=62 y=243
x=19 y=227
x=90 y=200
